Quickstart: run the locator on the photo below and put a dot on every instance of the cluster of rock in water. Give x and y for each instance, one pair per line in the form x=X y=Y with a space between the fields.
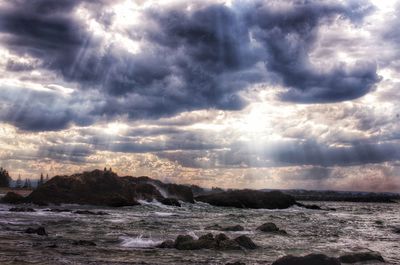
x=106 y=188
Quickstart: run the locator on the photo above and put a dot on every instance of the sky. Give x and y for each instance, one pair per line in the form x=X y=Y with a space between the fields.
x=236 y=94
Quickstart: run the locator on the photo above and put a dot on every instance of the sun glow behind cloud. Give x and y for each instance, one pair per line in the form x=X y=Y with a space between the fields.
x=151 y=88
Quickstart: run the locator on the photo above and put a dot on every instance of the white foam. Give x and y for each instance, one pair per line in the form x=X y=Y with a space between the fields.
x=138 y=242
x=163 y=214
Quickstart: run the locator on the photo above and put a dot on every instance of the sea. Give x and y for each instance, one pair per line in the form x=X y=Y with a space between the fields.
x=129 y=235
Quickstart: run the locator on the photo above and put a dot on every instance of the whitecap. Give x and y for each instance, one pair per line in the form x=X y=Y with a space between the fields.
x=138 y=242
x=163 y=214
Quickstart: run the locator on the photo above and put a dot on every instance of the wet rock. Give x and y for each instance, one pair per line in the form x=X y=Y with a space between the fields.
x=361 y=257
x=13 y=198
x=21 y=209
x=39 y=231
x=170 y=201
x=167 y=244
x=249 y=199
x=233 y=228
x=311 y=259
x=246 y=242
x=86 y=243
x=208 y=241
x=271 y=228
x=396 y=230
x=87 y=212
x=379 y=222
x=182 y=241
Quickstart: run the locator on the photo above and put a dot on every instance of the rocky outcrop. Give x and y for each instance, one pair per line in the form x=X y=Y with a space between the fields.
x=208 y=241
x=38 y=231
x=312 y=259
x=361 y=257
x=100 y=187
x=249 y=199
x=13 y=198
x=96 y=188
x=271 y=228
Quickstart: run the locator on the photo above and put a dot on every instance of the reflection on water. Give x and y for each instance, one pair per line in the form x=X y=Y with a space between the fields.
x=128 y=235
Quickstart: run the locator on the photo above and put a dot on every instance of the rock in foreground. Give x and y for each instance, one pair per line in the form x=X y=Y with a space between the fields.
x=249 y=199
x=39 y=231
x=208 y=241
x=311 y=259
x=271 y=228
x=361 y=257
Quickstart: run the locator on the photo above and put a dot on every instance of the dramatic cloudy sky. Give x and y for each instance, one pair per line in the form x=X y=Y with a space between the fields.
x=259 y=94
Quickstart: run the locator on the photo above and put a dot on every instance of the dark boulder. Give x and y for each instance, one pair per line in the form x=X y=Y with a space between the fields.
x=86 y=243
x=245 y=242
x=311 y=259
x=361 y=257
x=208 y=241
x=249 y=199
x=21 y=209
x=396 y=230
x=13 y=198
x=167 y=244
x=39 y=231
x=268 y=227
x=235 y=263
x=170 y=202
x=271 y=228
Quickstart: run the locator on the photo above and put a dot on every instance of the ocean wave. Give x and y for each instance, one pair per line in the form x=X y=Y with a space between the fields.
x=139 y=242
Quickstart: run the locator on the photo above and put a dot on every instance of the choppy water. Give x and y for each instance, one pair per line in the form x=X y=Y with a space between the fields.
x=128 y=235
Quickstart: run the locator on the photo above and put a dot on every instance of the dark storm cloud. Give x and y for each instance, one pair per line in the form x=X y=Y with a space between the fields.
x=290 y=34
x=193 y=60
x=33 y=110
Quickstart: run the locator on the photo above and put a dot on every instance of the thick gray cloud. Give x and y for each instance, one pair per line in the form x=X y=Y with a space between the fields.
x=194 y=60
x=290 y=34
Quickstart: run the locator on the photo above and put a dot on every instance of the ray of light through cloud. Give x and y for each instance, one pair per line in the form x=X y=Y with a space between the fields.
x=258 y=94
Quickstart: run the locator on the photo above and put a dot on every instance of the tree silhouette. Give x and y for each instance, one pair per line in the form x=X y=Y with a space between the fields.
x=18 y=185
x=27 y=184
x=4 y=178
x=41 y=180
